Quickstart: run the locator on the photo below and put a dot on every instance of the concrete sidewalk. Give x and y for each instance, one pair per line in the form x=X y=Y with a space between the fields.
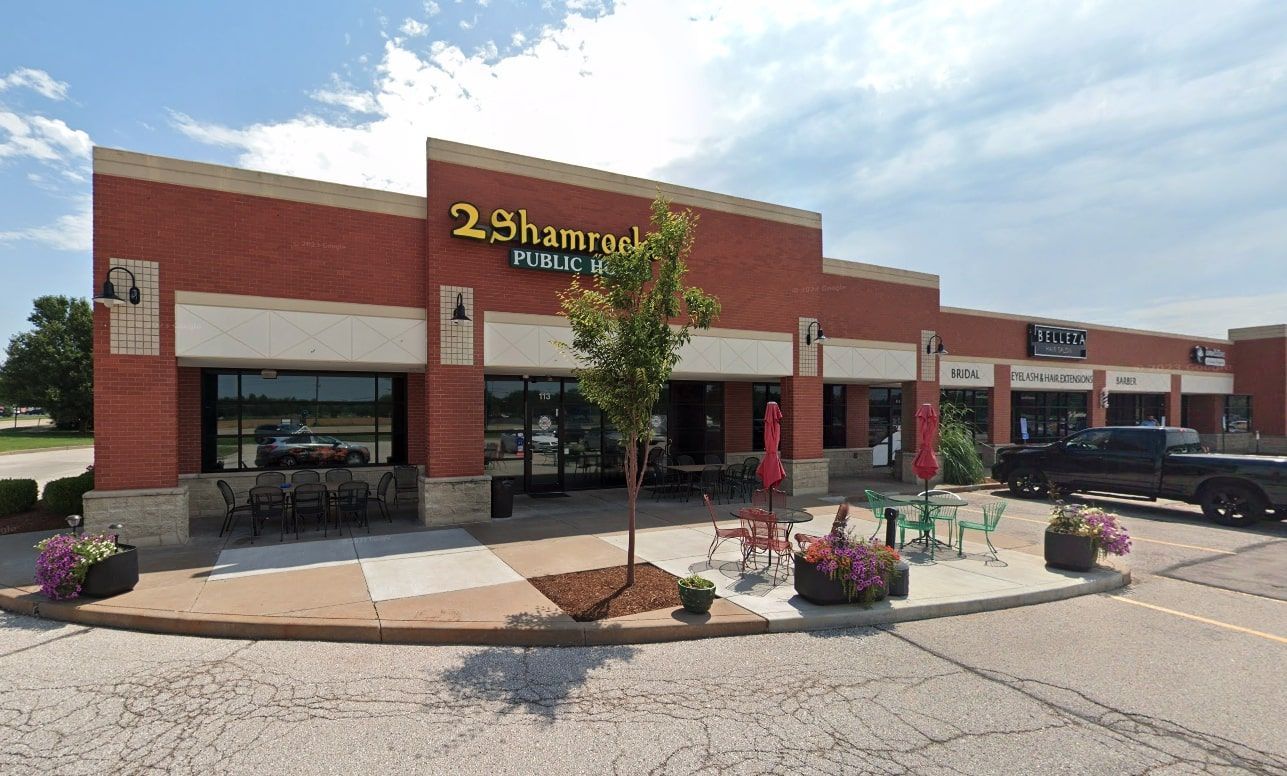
x=469 y=585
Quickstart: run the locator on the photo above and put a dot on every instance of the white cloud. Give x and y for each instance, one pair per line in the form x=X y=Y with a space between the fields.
x=1026 y=155
x=38 y=137
x=37 y=80
x=413 y=29
x=71 y=232
x=432 y=8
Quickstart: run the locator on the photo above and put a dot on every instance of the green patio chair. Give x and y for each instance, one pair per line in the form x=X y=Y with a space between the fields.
x=991 y=516
x=876 y=503
x=917 y=518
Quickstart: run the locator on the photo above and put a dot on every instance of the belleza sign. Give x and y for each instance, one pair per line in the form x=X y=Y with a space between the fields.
x=548 y=248
x=1056 y=341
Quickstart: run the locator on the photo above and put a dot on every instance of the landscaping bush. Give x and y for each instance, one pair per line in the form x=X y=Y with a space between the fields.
x=961 y=462
x=64 y=496
x=16 y=496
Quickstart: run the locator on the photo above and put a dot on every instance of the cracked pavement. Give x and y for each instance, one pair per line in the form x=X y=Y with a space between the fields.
x=1092 y=685
x=982 y=694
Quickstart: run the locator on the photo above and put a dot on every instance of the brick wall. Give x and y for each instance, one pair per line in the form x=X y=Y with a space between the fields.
x=999 y=400
x=1261 y=370
x=147 y=410
x=802 y=417
x=857 y=415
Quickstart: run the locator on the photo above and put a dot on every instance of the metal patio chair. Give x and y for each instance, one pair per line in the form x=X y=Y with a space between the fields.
x=381 y=496
x=406 y=480
x=304 y=477
x=270 y=478
x=268 y=502
x=763 y=533
x=231 y=508
x=712 y=481
x=351 y=506
x=721 y=534
x=337 y=476
x=876 y=503
x=946 y=513
x=311 y=501
x=920 y=519
x=991 y=516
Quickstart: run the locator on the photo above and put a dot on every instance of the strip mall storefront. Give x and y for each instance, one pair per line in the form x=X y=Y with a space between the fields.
x=285 y=323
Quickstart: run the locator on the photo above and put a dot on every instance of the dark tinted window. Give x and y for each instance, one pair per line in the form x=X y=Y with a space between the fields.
x=1183 y=441
x=1132 y=442
x=833 y=416
x=1095 y=440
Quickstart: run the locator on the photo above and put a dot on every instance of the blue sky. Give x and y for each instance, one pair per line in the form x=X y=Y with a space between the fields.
x=1124 y=163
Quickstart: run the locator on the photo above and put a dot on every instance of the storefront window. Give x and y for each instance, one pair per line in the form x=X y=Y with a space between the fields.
x=1133 y=409
x=761 y=395
x=1039 y=416
x=301 y=419
x=976 y=406
x=1237 y=414
x=833 y=416
x=504 y=445
x=696 y=422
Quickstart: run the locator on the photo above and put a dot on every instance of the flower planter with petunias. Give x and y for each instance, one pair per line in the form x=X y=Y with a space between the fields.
x=843 y=569
x=70 y=566
x=1079 y=535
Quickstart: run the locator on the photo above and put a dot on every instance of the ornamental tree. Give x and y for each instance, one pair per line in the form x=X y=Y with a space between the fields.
x=627 y=329
x=52 y=366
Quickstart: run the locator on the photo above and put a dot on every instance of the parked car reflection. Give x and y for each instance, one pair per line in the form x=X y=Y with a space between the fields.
x=310 y=450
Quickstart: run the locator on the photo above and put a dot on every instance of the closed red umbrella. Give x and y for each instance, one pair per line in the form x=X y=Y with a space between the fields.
x=770 y=470
x=925 y=465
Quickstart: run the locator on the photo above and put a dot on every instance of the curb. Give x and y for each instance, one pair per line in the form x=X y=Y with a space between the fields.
x=45 y=449
x=500 y=634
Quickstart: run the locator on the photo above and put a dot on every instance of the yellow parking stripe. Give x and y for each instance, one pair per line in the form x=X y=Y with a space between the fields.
x=1204 y=620
x=1133 y=538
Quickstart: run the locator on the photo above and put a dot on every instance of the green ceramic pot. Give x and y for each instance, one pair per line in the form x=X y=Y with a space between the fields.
x=697 y=600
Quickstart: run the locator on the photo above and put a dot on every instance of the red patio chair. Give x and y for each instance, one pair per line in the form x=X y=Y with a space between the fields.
x=763 y=533
x=720 y=533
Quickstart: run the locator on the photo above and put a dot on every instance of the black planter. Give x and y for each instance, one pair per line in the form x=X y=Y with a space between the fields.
x=697 y=600
x=901 y=580
x=1070 y=551
x=113 y=576
x=818 y=587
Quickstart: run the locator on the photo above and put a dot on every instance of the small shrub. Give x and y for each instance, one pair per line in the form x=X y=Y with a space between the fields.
x=699 y=582
x=64 y=496
x=16 y=496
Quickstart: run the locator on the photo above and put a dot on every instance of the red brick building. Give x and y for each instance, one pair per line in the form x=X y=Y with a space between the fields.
x=286 y=323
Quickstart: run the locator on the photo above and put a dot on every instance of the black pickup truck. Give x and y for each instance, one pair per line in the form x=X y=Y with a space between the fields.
x=1154 y=463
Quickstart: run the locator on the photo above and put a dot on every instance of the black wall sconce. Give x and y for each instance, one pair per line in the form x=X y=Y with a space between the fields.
x=808 y=339
x=109 y=297
x=459 y=314
x=932 y=349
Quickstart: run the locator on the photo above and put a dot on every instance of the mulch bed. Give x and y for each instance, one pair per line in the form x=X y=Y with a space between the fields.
x=36 y=519
x=601 y=593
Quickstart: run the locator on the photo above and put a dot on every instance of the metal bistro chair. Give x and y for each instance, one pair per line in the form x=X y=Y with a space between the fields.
x=662 y=483
x=381 y=496
x=268 y=502
x=733 y=483
x=917 y=518
x=712 y=458
x=721 y=534
x=876 y=503
x=304 y=477
x=351 y=504
x=712 y=481
x=231 y=508
x=270 y=478
x=763 y=533
x=946 y=513
x=991 y=516
x=337 y=476
x=406 y=479
x=310 y=501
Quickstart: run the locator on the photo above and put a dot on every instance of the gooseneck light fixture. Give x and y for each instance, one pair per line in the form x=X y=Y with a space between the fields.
x=933 y=349
x=109 y=297
x=459 y=314
x=808 y=338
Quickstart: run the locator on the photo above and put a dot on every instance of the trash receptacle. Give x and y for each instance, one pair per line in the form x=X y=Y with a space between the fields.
x=502 y=496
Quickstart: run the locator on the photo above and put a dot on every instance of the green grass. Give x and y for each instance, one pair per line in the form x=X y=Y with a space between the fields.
x=12 y=439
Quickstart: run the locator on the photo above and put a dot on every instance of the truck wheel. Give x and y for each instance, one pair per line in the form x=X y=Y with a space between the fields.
x=1026 y=483
x=1232 y=504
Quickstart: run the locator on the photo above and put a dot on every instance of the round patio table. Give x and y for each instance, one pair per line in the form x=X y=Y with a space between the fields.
x=924 y=503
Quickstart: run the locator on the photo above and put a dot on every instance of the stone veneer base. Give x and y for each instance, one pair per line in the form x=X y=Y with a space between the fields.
x=455 y=500
x=152 y=516
x=806 y=476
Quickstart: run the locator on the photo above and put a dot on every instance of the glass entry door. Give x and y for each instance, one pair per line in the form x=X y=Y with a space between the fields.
x=545 y=435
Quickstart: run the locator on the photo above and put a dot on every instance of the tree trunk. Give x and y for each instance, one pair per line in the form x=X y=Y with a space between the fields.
x=632 y=496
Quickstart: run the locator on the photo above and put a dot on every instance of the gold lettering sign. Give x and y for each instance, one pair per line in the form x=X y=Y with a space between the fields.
x=513 y=226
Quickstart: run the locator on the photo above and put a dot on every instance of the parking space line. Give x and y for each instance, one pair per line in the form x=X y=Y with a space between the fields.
x=1133 y=538
x=1196 y=618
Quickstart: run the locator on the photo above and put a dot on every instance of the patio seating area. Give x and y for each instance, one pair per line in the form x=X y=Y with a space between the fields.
x=470 y=584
